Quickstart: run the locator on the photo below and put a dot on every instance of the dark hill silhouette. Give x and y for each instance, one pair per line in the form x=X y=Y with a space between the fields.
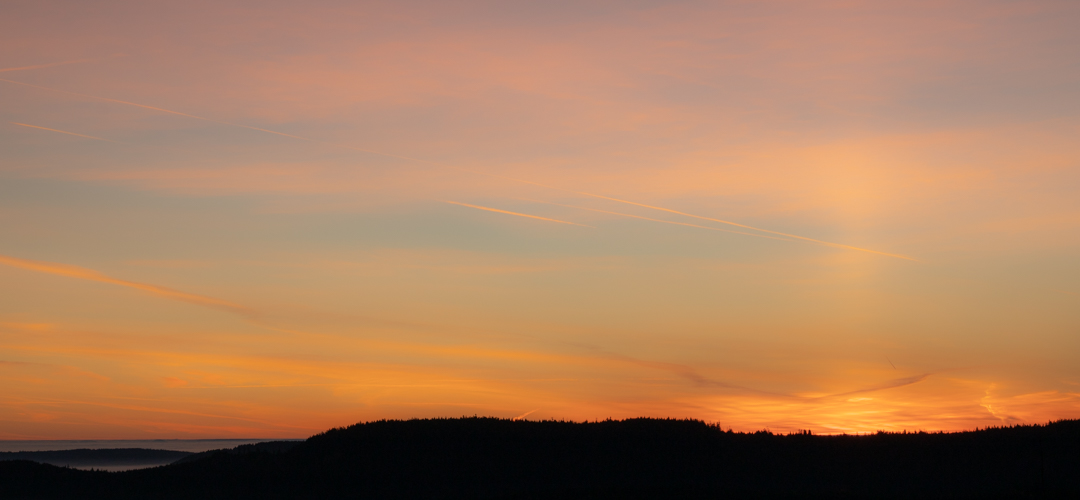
x=637 y=458
x=264 y=447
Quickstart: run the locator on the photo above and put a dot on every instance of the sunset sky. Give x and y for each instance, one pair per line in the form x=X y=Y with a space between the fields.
x=266 y=219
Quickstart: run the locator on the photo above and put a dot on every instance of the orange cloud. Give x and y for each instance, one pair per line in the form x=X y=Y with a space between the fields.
x=174 y=382
x=348 y=382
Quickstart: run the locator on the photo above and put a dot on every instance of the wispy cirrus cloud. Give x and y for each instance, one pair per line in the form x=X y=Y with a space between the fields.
x=470 y=171
x=219 y=122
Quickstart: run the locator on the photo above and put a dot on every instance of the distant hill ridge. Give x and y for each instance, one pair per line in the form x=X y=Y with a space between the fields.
x=636 y=458
x=89 y=457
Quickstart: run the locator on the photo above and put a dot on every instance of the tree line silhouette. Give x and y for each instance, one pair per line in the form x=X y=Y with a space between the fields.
x=491 y=458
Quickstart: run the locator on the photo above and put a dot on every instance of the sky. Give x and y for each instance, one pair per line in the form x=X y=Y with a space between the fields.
x=266 y=219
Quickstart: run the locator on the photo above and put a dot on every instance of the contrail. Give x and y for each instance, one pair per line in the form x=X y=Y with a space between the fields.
x=523 y=415
x=60 y=131
x=515 y=213
x=163 y=110
x=443 y=165
x=61 y=63
x=736 y=224
x=812 y=240
x=900 y=382
x=91 y=275
x=659 y=220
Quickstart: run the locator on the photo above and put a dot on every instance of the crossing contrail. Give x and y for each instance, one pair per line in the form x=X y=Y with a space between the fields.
x=496 y=210
x=890 y=384
x=60 y=131
x=660 y=220
x=92 y=275
x=736 y=224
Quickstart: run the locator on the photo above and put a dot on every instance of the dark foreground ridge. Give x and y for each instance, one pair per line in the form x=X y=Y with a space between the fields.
x=639 y=458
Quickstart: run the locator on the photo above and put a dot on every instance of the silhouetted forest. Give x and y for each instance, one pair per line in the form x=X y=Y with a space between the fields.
x=639 y=458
